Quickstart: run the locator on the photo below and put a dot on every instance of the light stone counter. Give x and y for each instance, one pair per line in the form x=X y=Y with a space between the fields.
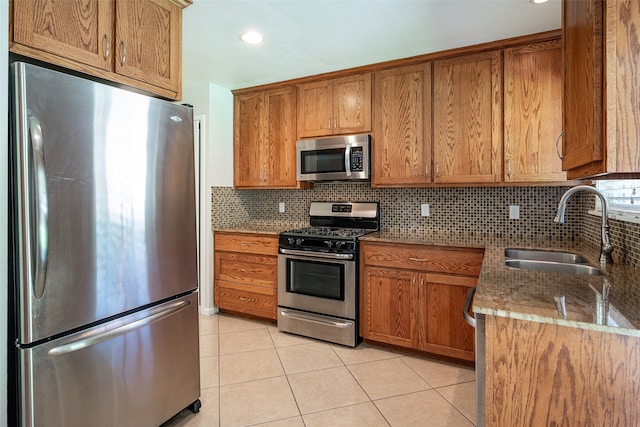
x=529 y=295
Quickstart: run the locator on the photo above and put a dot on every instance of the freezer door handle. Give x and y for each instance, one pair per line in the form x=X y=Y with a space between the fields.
x=41 y=232
x=101 y=335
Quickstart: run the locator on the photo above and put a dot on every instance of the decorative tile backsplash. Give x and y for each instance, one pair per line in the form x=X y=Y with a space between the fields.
x=478 y=210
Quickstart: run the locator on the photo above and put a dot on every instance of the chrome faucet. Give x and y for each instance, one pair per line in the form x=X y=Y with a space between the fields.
x=605 y=245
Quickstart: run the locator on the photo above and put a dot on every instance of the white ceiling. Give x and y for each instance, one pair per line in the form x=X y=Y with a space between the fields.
x=308 y=37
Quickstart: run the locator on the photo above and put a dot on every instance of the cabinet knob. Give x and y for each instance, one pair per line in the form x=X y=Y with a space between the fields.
x=107 y=46
x=557 y=147
x=123 y=46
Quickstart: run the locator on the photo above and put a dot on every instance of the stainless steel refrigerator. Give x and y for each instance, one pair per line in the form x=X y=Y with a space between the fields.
x=104 y=270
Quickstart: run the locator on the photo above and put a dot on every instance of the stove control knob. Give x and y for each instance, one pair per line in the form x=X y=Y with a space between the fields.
x=299 y=241
x=328 y=243
x=291 y=240
x=339 y=244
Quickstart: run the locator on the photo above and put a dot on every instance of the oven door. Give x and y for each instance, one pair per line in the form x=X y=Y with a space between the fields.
x=317 y=282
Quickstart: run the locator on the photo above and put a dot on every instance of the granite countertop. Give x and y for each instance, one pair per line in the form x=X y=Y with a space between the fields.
x=262 y=227
x=529 y=295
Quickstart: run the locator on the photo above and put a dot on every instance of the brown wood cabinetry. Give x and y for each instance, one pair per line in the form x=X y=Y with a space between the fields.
x=136 y=43
x=337 y=106
x=402 y=127
x=601 y=88
x=265 y=139
x=246 y=273
x=412 y=296
x=467 y=118
x=541 y=374
x=533 y=112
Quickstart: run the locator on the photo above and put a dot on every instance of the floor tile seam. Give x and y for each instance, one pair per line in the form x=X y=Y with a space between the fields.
x=255 y=350
x=250 y=381
x=242 y=352
x=295 y=399
x=319 y=370
x=455 y=407
x=417 y=373
x=243 y=330
x=369 y=361
x=273 y=421
x=452 y=384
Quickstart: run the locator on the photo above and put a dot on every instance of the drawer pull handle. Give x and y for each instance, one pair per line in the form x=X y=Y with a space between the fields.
x=244 y=299
x=418 y=259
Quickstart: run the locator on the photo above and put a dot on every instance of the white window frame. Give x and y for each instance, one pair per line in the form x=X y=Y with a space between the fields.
x=617 y=212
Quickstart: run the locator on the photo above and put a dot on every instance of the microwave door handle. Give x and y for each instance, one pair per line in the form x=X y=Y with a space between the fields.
x=347 y=160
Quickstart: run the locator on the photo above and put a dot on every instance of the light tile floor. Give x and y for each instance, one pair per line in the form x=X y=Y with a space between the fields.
x=254 y=375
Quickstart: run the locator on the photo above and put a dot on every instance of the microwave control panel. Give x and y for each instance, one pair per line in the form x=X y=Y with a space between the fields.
x=357 y=159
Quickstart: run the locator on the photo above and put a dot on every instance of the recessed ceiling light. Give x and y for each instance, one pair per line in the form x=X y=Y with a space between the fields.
x=252 y=37
x=538 y=1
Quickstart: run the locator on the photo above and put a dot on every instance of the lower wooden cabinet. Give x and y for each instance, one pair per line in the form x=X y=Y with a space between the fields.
x=246 y=273
x=412 y=296
x=541 y=374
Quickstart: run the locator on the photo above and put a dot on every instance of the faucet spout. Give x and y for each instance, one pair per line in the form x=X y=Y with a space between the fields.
x=606 y=249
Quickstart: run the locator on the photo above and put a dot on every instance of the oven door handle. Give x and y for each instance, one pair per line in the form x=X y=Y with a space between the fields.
x=316 y=254
x=301 y=316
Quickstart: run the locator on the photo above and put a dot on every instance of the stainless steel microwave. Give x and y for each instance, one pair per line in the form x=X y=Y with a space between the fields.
x=340 y=158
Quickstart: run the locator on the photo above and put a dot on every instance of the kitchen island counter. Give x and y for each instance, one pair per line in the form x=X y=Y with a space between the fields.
x=529 y=295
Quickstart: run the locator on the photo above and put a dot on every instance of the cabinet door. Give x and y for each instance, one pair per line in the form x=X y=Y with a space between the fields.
x=352 y=104
x=388 y=304
x=583 y=32
x=467 y=116
x=280 y=151
x=402 y=127
x=315 y=104
x=149 y=42
x=447 y=333
x=533 y=112
x=80 y=30
x=249 y=132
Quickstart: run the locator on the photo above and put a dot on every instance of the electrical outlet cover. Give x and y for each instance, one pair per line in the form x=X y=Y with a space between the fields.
x=514 y=212
x=424 y=209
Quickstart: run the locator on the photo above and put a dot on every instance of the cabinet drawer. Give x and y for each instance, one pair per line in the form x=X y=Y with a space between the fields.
x=242 y=268
x=423 y=258
x=248 y=299
x=246 y=243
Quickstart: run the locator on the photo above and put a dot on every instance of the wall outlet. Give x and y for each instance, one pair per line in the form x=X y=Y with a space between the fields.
x=281 y=208
x=514 y=212
x=424 y=209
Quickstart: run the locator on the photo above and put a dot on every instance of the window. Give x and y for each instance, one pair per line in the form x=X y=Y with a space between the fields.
x=623 y=197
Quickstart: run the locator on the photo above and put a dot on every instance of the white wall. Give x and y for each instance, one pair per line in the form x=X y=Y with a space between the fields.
x=216 y=105
x=4 y=214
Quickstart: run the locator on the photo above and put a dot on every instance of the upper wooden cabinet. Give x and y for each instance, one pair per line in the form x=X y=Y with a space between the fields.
x=533 y=112
x=337 y=106
x=602 y=88
x=467 y=118
x=136 y=43
x=402 y=127
x=265 y=138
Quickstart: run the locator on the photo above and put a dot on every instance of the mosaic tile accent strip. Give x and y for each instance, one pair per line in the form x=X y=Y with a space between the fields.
x=476 y=210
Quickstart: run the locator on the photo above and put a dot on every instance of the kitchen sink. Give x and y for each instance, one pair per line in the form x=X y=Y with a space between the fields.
x=545 y=255
x=553 y=267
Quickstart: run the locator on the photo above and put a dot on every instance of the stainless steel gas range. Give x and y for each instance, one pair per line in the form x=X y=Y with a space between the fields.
x=318 y=271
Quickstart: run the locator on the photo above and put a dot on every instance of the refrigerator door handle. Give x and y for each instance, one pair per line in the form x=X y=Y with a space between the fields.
x=41 y=231
x=102 y=335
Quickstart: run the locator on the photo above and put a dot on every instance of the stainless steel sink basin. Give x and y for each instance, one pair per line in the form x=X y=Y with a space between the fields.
x=553 y=267
x=544 y=255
